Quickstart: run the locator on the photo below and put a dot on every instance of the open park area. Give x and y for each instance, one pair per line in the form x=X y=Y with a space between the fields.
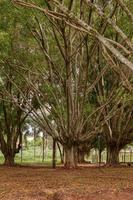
x=85 y=183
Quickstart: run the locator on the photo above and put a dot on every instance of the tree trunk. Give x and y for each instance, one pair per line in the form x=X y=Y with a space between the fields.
x=61 y=153
x=9 y=160
x=43 y=147
x=112 y=155
x=54 y=154
x=100 y=156
x=81 y=157
x=70 y=157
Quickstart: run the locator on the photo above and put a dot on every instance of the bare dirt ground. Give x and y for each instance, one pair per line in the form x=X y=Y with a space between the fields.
x=37 y=183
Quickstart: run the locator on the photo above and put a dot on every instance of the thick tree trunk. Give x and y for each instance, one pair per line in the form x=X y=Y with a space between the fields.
x=9 y=160
x=70 y=157
x=112 y=155
x=9 y=154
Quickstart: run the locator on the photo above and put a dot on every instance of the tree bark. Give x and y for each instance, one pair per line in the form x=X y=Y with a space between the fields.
x=112 y=155
x=61 y=153
x=70 y=157
x=43 y=147
x=54 y=154
x=9 y=151
x=9 y=160
x=81 y=157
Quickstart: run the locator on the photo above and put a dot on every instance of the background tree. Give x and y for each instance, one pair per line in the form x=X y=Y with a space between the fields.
x=14 y=39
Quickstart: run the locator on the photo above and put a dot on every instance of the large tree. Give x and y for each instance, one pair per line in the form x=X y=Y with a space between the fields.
x=65 y=87
x=72 y=69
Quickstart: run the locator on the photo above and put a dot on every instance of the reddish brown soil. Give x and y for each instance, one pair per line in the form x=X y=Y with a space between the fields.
x=26 y=183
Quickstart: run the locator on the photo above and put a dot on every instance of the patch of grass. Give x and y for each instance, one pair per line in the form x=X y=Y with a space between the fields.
x=28 y=156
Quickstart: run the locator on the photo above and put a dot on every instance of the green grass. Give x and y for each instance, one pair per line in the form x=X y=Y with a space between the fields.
x=27 y=157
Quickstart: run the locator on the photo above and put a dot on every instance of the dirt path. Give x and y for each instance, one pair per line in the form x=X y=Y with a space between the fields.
x=60 y=184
